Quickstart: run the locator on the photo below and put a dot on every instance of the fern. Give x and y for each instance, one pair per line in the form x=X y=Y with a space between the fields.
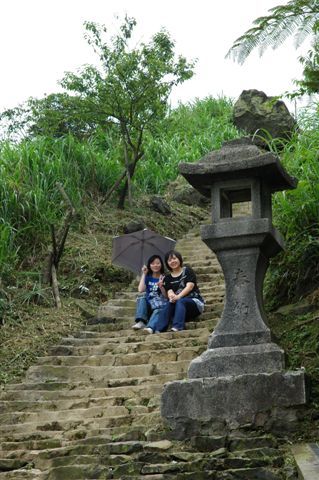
x=298 y=17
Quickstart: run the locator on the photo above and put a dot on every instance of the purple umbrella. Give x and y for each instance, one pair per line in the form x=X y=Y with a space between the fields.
x=134 y=249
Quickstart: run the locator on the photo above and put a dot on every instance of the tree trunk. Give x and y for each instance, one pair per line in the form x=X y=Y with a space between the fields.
x=124 y=190
x=126 y=185
x=114 y=187
x=128 y=175
x=55 y=288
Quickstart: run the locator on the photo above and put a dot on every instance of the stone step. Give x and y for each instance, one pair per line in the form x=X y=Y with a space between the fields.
x=86 y=423
x=75 y=414
x=138 y=392
x=71 y=437
x=120 y=323
x=151 y=457
x=174 y=468
x=88 y=374
x=26 y=400
x=128 y=313
x=306 y=456
x=211 y=312
x=34 y=405
x=215 y=278
x=151 y=356
x=190 y=253
x=192 y=244
x=124 y=404
x=205 y=286
x=23 y=474
x=128 y=336
x=79 y=472
x=111 y=383
x=129 y=347
x=26 y=445
x=129 y=304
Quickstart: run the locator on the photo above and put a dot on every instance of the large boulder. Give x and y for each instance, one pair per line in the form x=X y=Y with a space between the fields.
x=134 y=225
x=181 y=192
x=254 y=112
x=158 y=204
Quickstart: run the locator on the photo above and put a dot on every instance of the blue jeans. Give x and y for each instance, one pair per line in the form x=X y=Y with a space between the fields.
x=142 y=308
x=178 y=312
x=144 y=312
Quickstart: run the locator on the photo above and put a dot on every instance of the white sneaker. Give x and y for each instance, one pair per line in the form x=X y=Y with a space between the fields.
x=148 y=330
x=174 y=329
x=138 y=325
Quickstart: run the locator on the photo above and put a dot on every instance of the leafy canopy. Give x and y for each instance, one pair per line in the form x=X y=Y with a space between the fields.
x=132 y=87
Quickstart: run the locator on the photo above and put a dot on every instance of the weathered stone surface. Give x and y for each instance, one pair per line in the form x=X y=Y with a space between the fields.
x=254 y=111
x=248 y=474
x=158 y=204
x=238 y=398
x=237 y=160
x=220 y=362
x=135 y=225
x=7 y=464
x=160 y=445
x=208 y=443
x=245 y=443
x=189 y=196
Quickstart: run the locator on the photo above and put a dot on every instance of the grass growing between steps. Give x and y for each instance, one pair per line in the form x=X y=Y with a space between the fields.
x=31 y=323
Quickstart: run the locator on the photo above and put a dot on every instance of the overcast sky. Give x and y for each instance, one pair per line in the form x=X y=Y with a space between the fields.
x=41 y=39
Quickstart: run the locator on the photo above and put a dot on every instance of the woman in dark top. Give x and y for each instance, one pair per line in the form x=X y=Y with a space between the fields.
x=185 y=300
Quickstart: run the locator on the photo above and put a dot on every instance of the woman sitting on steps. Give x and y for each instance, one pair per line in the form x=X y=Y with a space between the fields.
x=185 y=301
x=152 y=296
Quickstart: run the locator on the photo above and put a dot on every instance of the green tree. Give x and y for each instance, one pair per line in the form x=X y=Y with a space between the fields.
x=54 y=115
x=130 y=88
x=299 y=18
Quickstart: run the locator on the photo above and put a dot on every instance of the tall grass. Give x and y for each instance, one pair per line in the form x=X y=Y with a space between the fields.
x=29 y=198
x=29 y=171
x=188 y=133
x=296 y=214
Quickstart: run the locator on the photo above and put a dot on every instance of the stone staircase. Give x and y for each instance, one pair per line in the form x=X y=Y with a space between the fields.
x=90 y=408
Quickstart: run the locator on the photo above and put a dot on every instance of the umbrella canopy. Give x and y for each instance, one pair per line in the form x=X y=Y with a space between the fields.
x=134 y=249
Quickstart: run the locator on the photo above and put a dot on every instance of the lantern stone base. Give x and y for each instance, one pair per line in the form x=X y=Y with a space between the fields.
x=219 y=362
x=198 y=406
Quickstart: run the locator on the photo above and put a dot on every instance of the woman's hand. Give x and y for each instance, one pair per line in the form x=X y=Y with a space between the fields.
x=141 y=285
x=161 y=281
x=172 y=297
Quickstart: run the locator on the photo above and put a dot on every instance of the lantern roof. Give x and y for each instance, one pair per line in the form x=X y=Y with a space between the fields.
x=237 y=159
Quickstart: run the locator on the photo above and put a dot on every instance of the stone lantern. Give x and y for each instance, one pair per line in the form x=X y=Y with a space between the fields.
x=241 y=376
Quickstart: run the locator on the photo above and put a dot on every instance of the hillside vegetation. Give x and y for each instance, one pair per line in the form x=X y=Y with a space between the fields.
x=31 y=201
x=87 y=167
